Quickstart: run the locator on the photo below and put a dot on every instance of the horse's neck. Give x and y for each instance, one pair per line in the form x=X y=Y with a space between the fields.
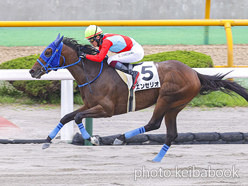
x=78 y=72
x=92 y=68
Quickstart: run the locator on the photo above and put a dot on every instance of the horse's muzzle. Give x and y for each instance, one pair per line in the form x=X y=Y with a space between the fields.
x=35 y=74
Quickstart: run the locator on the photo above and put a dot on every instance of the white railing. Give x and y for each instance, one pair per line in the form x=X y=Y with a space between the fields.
x=67 y=87
x=66 y=92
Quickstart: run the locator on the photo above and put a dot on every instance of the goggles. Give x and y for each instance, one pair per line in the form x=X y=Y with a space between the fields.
x=91 y=40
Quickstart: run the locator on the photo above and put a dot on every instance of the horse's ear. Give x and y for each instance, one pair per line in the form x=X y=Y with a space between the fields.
x=58 y=41
x=57 y=37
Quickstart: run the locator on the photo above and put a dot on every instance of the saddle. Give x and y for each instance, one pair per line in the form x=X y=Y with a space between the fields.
x=148 y=79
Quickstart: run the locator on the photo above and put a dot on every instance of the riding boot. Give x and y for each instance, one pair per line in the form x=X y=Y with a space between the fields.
x=123 y=68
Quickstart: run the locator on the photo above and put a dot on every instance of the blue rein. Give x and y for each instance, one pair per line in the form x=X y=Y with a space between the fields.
x=95 y=77
x=56 y=55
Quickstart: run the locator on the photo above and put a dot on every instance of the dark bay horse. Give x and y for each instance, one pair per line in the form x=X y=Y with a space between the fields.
x=179 y=85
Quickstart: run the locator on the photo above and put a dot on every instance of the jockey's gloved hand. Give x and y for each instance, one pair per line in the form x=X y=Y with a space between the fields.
x=81 y=54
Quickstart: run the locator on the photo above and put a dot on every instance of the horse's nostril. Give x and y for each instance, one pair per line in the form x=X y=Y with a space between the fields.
x=31 y=71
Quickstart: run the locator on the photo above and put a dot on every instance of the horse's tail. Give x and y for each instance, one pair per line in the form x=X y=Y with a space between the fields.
x=215 y=83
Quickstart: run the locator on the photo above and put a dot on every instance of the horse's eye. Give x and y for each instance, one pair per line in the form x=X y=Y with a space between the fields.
x=47 y=53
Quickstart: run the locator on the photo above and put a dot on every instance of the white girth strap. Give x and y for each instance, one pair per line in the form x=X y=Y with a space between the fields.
x=129 y=82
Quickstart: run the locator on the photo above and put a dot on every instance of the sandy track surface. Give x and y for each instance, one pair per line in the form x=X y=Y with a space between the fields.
x=66 y=164
x=217 y=52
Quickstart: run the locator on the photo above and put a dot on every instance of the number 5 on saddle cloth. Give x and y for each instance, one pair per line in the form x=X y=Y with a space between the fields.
x=148 y=79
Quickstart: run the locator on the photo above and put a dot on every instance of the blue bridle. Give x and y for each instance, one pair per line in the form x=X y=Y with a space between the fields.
x=53 y=62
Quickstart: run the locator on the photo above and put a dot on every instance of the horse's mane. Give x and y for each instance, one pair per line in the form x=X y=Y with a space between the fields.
x=71 y=42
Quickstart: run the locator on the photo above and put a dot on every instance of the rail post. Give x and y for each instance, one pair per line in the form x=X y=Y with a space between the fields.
x=229 y=41
x=206 y=28
x=89 y=128
x=67 y=107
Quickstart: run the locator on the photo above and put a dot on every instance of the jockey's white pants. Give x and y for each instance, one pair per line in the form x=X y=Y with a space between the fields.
x=133 y=55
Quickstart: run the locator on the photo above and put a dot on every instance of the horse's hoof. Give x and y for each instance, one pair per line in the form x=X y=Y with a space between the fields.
x=152 y=161
x=118 y=142
x=45 y=146
x=94 y=141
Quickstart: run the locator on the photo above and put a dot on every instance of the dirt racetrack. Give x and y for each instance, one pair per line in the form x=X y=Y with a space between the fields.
x=68 y=165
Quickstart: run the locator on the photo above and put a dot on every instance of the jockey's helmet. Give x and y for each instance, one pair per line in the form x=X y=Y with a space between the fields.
x=92 y=31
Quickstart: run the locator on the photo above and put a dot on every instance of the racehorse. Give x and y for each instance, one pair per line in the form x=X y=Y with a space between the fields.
x=108 y=94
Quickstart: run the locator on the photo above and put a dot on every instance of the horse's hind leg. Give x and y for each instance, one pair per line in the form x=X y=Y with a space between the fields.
x=161 y=108
x=171 y=128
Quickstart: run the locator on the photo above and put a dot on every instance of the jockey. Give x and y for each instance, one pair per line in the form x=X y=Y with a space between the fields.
x=127 y=49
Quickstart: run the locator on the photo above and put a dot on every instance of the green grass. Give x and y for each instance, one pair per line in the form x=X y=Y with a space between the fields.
x=191 y=58
x=218 y=99
x=78 y=100
x=8 y=95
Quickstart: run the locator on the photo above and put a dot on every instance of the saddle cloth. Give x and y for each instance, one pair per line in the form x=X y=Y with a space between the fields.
x=148 y=79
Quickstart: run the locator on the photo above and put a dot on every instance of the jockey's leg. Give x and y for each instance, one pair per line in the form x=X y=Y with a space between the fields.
x=119 y=66
x=134 y=55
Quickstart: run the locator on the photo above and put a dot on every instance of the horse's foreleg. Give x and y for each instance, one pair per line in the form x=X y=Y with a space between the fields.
x=94 y=112
x=171 y=128
x=67 y=118
x=52 y=135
